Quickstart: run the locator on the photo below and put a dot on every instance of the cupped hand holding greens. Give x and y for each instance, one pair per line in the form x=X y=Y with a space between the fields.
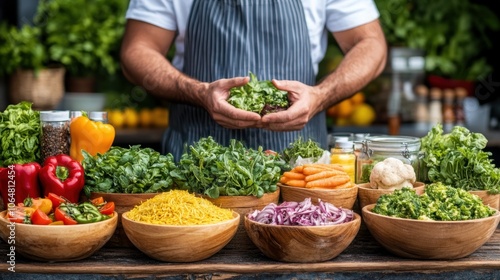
x=260 y=97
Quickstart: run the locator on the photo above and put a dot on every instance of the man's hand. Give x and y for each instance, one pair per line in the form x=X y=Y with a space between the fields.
x=224 y=113
x=305 y=103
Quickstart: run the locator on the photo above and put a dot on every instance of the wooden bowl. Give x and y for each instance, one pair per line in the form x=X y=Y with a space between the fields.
x=429 y=239
x=344 y=198
x=367 y=195
x=493 y=200
x=244 y=205
x=302 y=244
x=58 y=243
x=123 y=203
x=180 y=243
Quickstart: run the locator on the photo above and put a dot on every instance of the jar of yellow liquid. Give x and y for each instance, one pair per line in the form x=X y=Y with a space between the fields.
x=343 y=153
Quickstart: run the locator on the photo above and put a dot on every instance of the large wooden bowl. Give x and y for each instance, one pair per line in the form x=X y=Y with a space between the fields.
x=344 y=198
x=123 y=203
x=58 y=243
x=302 y=244
x=429 y=239
x=180 y=243
x=367 y=195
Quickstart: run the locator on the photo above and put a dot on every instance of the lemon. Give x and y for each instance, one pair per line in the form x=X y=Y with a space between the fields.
x=362 y=115
x=116 y=118
x=131 y=117
x=160 y=117
x=145 y=117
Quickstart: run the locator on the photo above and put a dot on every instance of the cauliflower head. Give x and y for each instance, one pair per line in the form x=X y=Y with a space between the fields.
x=392 y=174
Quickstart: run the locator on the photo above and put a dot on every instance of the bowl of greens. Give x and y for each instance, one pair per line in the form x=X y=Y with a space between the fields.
x=442 y=223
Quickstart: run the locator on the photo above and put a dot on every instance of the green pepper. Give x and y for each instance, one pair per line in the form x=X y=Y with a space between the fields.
x=88 y=217
x=87 y=206
x=71 y=209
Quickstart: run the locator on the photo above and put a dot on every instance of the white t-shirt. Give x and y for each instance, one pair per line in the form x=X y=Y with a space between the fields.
x=322 y=16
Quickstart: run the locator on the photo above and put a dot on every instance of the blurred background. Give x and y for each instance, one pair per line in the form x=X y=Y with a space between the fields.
x=443 y=67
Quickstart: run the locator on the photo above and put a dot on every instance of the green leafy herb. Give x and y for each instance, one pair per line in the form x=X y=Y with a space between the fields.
x=458 y=159
x=440 y=202
x=260 y=97
x=304 y=149
x=19 y=134
x=214 y=170
x=133 y=170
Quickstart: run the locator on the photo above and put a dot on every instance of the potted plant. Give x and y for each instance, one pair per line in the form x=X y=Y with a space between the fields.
x=453 y=34
x=85 y=36
x=35 y=76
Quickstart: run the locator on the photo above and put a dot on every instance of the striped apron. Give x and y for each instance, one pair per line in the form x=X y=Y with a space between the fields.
x=230 y=38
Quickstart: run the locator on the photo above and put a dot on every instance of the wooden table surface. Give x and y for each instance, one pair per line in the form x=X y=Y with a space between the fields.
x=240 y=259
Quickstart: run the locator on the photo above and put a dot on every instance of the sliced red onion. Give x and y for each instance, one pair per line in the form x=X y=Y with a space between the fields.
x=303 y=213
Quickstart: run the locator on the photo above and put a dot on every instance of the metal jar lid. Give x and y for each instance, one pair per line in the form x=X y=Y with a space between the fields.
x=54 y=116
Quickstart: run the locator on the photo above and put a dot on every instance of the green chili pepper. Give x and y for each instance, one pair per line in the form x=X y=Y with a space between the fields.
x=89 y=217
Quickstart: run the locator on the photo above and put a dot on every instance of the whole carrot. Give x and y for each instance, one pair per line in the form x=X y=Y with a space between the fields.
x=324 y=174
x=329 y=182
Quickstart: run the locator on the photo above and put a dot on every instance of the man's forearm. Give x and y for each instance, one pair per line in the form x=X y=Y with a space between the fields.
x=360 y=66
x=151 y=70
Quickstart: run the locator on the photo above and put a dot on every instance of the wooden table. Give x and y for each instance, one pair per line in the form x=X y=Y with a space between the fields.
x=364 y=258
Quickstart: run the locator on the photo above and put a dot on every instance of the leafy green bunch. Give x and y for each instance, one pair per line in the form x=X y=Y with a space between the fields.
x=260 y=97
x=454 y=34
x=21 y=48
x=83 y=35
x=20 y=131
x=212 y=169
x=304 y=149
x=128 y=170
x=458 y=159
x=440 y=202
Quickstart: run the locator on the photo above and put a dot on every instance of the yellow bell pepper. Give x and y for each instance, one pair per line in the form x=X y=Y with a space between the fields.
x=92 y=136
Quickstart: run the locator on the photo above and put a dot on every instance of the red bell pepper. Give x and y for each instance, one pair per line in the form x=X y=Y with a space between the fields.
x=64 y=176
x=18 y=182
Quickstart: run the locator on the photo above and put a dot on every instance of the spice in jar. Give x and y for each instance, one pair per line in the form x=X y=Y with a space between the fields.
x=55 y=136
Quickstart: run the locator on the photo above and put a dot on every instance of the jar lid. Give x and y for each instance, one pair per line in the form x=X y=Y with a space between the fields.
x=98 y=115
x=54 y=116
x=344 y=144
x=392 y=143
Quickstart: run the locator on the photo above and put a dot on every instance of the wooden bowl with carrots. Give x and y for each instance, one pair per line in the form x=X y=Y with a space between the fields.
x=325 y=182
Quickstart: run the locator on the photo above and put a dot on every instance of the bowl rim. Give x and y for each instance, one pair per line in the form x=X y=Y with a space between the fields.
x=236 y=217
x=287 y=187
x=3 y=218
x=366 y=211
x=360 y=186
x=356 y=218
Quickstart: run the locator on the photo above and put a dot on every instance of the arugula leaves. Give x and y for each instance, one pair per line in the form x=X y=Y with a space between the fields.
x=20 y=131
x=304 y=149
x=260 y=97
x=215 y=170
x=133 y=170
x=458 y=159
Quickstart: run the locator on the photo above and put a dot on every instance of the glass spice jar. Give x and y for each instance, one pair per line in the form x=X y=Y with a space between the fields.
x=55 y=138
x=377 y=148
x=99 y=116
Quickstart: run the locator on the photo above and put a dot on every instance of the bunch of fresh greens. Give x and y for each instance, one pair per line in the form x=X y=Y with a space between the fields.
x=440 y=202
x=215 y=170
x=20 y=134
x=458 y=159
x=132 y=170
x=304 y=149
x=261 y=97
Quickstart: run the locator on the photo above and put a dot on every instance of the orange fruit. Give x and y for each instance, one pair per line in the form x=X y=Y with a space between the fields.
x=358 y=98
x=332 y=111
x=145 y=117
x=344 y=108
x=131 y=117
